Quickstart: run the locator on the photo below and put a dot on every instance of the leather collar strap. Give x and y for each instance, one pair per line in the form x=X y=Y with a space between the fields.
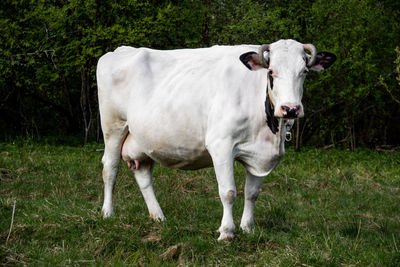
x=272 y=122
x=269 y=93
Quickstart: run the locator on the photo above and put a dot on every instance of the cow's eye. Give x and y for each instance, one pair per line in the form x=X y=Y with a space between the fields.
x=271 y=72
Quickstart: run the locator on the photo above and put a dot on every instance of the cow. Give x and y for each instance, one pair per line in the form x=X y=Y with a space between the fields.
x=196 y=108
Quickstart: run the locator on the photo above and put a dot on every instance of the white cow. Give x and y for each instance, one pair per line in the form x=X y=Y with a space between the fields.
x=197 y=108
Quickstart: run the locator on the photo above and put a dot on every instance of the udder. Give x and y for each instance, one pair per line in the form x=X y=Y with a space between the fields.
x=132 y=153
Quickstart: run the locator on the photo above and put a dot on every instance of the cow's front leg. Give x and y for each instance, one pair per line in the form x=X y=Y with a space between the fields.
x=227 y=193
x=144 y=178
x=251 y=192
x=223 y=165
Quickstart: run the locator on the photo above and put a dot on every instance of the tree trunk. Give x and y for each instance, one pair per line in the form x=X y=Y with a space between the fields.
x=298 y=135
x=206 y=24
x=85 y=104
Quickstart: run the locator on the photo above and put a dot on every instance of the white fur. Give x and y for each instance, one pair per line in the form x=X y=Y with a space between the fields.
x=191 y=109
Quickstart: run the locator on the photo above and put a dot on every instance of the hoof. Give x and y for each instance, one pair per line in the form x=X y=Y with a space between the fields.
x=247 y=228
x=226 y=237
x=107 y=213
x=157 y=217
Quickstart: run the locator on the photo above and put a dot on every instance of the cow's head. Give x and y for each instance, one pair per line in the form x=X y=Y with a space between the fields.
x=287 y=63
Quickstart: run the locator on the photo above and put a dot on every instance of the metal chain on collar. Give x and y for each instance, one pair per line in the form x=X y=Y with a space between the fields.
x=288 y=136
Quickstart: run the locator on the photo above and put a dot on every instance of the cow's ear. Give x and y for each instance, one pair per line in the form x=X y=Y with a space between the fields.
x=251 y=61
x=324 y=60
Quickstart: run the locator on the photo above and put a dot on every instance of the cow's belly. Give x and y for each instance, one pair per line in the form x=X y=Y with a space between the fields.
x=180 y=152
x=173 y=142
x=184 y=159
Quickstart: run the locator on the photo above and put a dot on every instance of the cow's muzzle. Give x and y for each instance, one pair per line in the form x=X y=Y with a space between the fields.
x=290 y=111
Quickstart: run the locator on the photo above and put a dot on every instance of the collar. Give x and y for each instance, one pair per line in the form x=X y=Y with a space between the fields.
x=272 y=122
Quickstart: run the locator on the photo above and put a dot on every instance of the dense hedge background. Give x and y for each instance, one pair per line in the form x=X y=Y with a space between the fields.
x=49 y=51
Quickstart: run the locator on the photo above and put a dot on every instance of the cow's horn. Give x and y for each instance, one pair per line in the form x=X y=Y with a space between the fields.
x=261 y=58
x=313 y=52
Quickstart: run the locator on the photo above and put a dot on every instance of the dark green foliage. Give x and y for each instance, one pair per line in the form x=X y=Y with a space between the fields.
x=49 y=52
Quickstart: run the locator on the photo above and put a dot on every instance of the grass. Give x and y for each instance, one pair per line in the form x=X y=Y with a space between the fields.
x=318 y=208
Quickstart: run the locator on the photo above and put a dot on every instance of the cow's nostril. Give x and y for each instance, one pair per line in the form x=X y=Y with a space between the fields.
x=285 y=109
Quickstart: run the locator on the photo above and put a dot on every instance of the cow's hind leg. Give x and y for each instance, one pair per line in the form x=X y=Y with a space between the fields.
x=144 y=178
x=114 y=135
x=251 y=192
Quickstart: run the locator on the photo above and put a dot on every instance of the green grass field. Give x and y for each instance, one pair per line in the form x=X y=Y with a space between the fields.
x=317 y=208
